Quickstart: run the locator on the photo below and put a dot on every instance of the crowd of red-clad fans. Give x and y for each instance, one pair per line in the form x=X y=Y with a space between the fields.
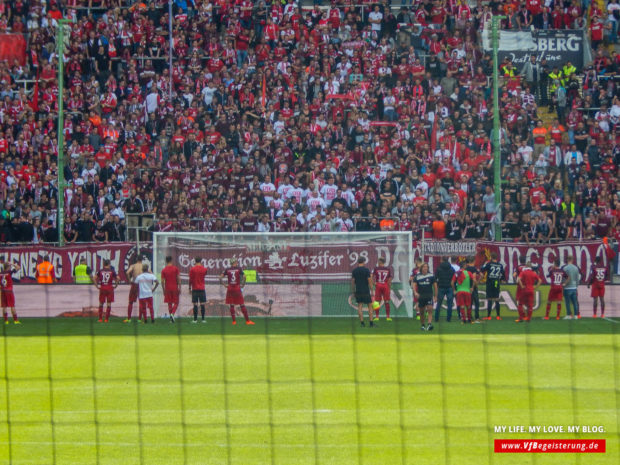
x=331 y=118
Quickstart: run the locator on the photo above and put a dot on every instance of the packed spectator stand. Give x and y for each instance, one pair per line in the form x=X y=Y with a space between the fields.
x=349 y=115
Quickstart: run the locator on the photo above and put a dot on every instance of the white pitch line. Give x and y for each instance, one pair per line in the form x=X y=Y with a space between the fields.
x=609 y=319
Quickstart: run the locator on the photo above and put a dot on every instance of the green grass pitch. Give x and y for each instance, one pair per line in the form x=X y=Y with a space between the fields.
x=302 y=391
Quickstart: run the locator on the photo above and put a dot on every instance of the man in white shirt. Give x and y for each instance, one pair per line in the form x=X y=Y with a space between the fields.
x=267 y=188
x=526 y=152
x=208 y=93
x=315 y=203
x=147 y=283
x=296 y=192
x=152 y=100
x=603 y=117
x=263 y=225
x=375 y=18
x=329 y=191
x=347 y=195
x=284 y=188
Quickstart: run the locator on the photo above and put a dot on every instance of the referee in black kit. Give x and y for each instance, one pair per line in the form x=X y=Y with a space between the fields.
x=361 y=285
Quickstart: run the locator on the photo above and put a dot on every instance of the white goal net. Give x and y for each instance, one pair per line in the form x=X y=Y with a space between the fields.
x=288 y=274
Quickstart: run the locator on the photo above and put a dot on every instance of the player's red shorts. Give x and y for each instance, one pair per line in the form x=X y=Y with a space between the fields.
x=527 y=299
x=234 y=297
x=7 y=300
x=382 y=292
x=133 y=293
x=597 y=291
x=463 y=299
x=146 y=303
x=171 y=297
x=106 y=295
x=556 y=294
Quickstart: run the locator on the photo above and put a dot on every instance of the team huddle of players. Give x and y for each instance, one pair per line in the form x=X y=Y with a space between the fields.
x=463 y=280
x=144 y=283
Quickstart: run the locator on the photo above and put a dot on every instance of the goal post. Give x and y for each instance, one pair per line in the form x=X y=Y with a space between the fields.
x=288 y=274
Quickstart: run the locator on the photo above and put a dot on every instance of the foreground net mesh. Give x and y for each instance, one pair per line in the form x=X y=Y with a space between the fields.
x=300 y=390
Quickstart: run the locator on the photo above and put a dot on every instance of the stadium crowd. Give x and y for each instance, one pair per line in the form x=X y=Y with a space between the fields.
x=280 y=118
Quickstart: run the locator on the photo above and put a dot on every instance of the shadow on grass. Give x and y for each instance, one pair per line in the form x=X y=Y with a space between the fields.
x=61 y=327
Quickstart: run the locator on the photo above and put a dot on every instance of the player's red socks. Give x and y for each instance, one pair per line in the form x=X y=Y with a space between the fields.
x=152 y=312
x=245 y=313
x=387 y=310
x=547 y=310
x=100 y=312
x=602 y=307
x=130 y=310
x=557 y=316
x=520 y=310
x=107 y=313
x=232 y=314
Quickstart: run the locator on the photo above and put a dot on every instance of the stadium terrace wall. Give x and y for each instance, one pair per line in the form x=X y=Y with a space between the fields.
x=263 y=300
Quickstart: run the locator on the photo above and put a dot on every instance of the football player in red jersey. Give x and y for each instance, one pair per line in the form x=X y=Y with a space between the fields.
x=235 y=281
x=382 y=280
x=197 y=275
x=106 y=281
x=598 y=276
x=528 y=281
x=557 y=277
x=171 y=284
x=7 y=298
x=520 y=267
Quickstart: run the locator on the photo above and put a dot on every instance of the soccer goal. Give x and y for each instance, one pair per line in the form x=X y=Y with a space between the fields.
x=288 y=274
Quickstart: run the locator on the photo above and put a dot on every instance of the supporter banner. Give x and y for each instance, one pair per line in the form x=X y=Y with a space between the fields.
x=460 y=248
x=557 y=46
x=293 y=263
x=65 y=259
x=13 y=47
x=542 y=256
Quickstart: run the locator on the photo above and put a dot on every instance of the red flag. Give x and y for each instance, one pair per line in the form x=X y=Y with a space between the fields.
x=434 y=133
x=264 y=97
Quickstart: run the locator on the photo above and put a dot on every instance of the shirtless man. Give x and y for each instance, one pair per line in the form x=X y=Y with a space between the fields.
x=132 y=273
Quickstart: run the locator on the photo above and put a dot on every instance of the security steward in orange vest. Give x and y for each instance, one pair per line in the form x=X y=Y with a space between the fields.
x=45 y=271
